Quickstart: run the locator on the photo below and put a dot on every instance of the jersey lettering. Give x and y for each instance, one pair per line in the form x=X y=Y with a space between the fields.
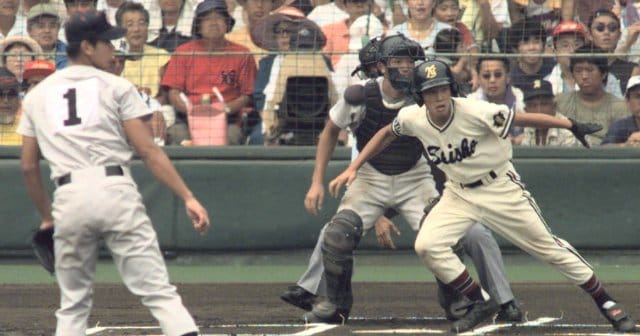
x=452 y=155
x=73 y=119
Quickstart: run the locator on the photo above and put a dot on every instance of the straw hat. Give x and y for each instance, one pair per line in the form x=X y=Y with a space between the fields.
x=305 y=34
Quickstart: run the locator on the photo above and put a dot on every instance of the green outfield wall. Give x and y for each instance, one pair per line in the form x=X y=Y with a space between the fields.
x=254 y=196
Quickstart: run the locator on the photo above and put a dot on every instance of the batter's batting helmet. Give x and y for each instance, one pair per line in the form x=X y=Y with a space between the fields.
x=430 y=74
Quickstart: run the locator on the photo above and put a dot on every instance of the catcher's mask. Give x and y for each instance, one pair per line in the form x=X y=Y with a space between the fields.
x=398 y=46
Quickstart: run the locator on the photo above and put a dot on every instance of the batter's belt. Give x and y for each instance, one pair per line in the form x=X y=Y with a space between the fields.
x=108 y=171
x=487 y=179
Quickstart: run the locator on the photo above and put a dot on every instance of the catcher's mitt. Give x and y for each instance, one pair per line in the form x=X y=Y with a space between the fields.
x=42 y=244
x=581 y=130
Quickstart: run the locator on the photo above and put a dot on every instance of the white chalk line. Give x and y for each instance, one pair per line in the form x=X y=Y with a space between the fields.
x=317 y=328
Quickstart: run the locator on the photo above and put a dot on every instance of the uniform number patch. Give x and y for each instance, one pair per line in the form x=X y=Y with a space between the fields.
x=73 y=106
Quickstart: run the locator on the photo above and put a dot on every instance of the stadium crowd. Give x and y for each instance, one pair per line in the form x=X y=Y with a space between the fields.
x=266 y=72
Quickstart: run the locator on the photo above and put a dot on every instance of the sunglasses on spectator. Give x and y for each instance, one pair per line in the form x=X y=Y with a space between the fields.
x=281 y=31
x=611 y=27
x=496 y=75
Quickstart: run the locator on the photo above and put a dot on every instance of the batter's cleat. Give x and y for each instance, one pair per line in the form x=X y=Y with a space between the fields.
x=619 y=319
x=481 y=311
x=299 y=297
x=457 y=309
x=510 y=312
x=326 y=312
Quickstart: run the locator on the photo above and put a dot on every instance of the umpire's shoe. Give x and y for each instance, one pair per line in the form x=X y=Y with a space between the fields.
x=326 y=312
x=619 y=319
x=299 y=297
x=481 y=311
x=510 y=312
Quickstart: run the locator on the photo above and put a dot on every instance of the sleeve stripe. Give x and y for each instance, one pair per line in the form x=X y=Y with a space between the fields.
x=395 y=128
x=507 y=125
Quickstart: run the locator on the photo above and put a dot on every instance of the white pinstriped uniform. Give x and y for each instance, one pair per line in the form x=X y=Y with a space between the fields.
x=76 y=115
x=473 y=146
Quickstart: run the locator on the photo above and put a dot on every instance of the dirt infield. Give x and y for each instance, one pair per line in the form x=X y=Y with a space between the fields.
x=256 y=309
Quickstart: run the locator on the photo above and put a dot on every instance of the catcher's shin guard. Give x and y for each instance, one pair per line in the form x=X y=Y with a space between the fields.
x=341 y=237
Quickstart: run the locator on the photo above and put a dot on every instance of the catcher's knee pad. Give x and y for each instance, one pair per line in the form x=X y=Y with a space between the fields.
x=342 y=235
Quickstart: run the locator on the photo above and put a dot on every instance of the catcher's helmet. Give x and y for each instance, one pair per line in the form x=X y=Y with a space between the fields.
x=399 y=45
x=368 y=56
x=432 y=73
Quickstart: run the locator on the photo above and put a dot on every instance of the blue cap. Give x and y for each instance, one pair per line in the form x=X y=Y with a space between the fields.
x=91 y=24
x=219 y=6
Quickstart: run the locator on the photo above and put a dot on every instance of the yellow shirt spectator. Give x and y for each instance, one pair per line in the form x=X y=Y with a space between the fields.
x=144 y=72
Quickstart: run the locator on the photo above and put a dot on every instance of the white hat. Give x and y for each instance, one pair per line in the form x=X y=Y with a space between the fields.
x=366 y=25
x=633 y=82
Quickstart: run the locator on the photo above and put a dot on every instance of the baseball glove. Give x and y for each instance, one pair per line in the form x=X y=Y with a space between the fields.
x=42 y=244
x=581 y=130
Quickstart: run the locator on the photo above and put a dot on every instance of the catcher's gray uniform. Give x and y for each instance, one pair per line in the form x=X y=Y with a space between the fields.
x=373 y=192
x=76 y=114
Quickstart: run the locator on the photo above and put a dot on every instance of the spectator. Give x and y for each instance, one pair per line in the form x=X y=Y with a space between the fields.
x=450 y=41
x=291 y=32
x=109 y=7
x=489 y=20
x=329 y=13
x=527 y=39
x=567 y=37
x=274 y=33
x=538 y=98
x=626 y=131
x=193 y=74
x=495 y=87
x=43 y=25
x=145 y=64
x=585 y=9
x=591 y=103
x=338 y=33
x=448 y=11
x=12 y=23
x=157 y=121
x=169 y=23
x=254 y=11
x=9 y=108
x=73 y=6
x=545 y=12
x=35 y=72
x=629 y=43
x=361 y=30
x=604 y=26
x=15 y=51
x=421 y=27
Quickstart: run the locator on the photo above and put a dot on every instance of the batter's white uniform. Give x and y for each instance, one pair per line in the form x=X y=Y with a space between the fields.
x=373 y=192
x=473 y=150
x=76 y=114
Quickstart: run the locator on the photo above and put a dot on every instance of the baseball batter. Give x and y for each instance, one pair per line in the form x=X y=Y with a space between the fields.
x=82 y=120
x=399 y=178
x=467 y=139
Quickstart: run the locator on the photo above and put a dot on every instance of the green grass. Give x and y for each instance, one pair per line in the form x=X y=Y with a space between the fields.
x=287 y=268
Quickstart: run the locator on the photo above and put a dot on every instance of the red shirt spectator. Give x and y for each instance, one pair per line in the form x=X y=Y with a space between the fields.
x=194 y=73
